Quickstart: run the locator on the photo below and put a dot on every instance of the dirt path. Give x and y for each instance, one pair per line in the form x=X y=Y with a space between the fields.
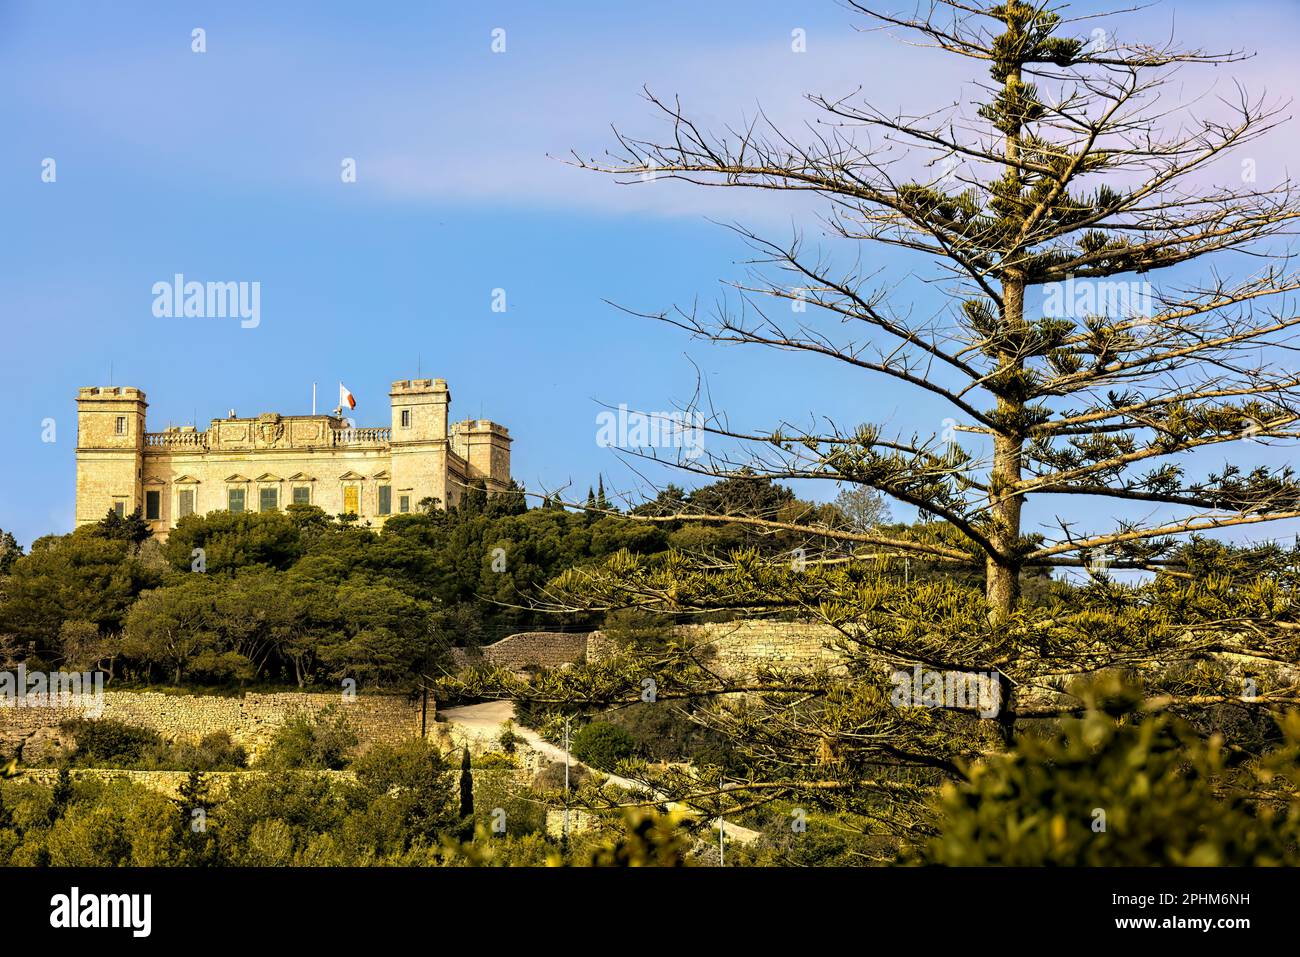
x=480 y=724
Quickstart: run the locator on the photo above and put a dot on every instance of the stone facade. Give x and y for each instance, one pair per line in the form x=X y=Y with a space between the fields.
x=273 y=460
x=251 y=720
x=538 y=649
x=739 y=648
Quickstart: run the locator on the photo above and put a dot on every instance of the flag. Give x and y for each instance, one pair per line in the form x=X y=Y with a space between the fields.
x=346 y=397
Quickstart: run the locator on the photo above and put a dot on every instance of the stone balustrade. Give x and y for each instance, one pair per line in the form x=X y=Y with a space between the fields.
x=176 y=440
x=365 y=436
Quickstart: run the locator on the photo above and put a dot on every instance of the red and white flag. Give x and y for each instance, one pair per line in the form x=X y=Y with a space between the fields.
x=346 y=397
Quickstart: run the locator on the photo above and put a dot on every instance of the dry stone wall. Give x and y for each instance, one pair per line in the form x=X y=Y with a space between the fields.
x=251 y=720
x=739 y=648
x=536 y=649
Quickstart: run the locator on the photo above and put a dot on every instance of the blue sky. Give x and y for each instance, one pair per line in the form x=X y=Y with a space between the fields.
x=225 y=166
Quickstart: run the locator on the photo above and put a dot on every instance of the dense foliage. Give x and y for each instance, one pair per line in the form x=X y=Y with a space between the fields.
x=297 y=597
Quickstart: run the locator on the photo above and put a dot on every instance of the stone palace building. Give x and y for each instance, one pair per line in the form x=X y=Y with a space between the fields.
x=271 y=461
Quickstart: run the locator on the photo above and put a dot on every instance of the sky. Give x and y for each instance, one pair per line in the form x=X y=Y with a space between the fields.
x=226 y=165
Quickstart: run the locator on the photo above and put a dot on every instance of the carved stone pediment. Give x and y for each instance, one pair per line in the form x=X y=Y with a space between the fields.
x=270 y=430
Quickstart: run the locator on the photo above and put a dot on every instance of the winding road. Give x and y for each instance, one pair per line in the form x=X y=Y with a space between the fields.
x=480 y=725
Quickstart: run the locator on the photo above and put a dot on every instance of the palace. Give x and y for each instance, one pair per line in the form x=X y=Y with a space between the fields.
x=271 y=461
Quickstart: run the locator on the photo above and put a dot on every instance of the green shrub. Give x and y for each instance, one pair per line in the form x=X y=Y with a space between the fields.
x=551 y=777
x=214 y=752
x=105 y=743
x=304 y=742
x=508 y=738
x=602 y=745
x=494 y=760
x=1124 y=789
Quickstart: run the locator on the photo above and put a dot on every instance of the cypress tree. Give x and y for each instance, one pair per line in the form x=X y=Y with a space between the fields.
x=466 y=786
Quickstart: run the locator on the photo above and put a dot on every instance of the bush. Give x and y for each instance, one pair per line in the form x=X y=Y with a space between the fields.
x=602 y=745
x=319 y=743
x=666 y=734
x=508 y=738
x=105 y=743
x=551 y=777
x=1117 y=789
x=214 y=752
x=408 y=788
x=494 y=761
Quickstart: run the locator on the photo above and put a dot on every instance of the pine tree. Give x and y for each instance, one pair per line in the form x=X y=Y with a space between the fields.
x=10 y=551
x=131 y=528
x=199 y=846
x=62 y=794
x=1073 y=186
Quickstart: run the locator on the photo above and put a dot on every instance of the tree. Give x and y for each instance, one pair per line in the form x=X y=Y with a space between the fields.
x=412 y=782
x=1067 y=405
x=10 y=551
x=76 y=577
x=466 y=786
x=199 y=848
x=130 y=528
x=231 y=540
x=863 y=507
x=171 y=627
x=1068 y=373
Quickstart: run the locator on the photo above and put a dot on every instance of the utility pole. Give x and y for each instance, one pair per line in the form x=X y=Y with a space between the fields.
x=722 y=829
x=566 y=779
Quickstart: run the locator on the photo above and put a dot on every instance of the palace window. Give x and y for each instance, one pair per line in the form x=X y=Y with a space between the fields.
x=185 y=503
x=352 y=500
x=153 y=506
x=119 y=508
x=302 y=495
x=120 y=427
x=235 y=499
x=385 y=500
x=269 y=499
x=403 y=503
x=406 y=418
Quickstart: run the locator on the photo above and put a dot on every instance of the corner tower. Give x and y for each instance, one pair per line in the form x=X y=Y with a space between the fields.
x=485 y=446
x=110 y=451
x=419 y=441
